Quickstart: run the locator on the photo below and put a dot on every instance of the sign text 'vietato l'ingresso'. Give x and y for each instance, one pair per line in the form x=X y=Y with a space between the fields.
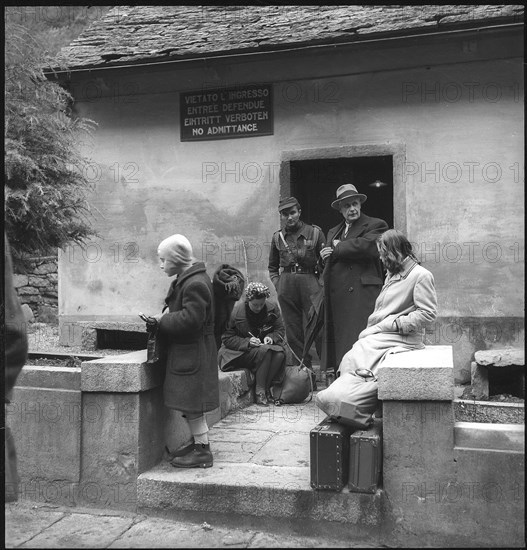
x=243 y=111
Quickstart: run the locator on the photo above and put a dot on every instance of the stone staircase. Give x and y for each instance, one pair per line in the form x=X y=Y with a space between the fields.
x=261 y=473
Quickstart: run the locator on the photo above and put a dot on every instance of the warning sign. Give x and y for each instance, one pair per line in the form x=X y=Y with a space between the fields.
x=243 y=111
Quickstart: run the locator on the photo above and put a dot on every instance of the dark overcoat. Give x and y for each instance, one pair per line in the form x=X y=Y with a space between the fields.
x=187 y=332
x=235 y=339
x=353 y=277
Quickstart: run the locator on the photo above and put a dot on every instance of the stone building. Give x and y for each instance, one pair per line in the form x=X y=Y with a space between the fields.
x=208 y=115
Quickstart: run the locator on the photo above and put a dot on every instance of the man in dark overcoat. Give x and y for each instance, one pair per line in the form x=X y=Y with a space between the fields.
x=187 y=333
x=353 y=275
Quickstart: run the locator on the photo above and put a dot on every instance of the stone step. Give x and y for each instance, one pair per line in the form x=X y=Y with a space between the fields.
x=261 y=470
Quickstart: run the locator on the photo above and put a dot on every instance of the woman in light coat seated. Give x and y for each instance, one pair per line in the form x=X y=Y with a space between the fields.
x=406 y=304
x=253 y=340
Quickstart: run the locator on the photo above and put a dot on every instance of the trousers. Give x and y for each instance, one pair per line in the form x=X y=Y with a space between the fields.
x=295 y=292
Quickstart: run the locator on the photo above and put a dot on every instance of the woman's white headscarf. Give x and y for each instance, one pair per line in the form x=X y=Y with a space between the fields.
x=176 y=248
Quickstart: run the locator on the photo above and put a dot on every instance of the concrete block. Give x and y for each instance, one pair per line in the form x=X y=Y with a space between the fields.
x=120 y=373
x=46 y=424
x=35 y=376
x=110 y=448
x=479 y=377
x=418 y=375
x=498 y=437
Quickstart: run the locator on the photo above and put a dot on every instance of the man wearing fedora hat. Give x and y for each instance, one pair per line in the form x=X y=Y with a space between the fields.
x=353 y=275
x=293 y=259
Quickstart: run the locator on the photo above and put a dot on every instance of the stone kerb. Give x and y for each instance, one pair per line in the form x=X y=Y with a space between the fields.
x=418 y=375
x=126 y=373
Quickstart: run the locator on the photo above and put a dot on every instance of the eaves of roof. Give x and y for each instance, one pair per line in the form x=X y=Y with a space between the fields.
x=131 y=35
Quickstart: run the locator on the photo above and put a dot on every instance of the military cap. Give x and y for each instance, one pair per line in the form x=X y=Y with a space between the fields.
x=288 y=202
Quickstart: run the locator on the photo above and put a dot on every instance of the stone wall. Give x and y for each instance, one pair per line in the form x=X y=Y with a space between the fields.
x=37 y=287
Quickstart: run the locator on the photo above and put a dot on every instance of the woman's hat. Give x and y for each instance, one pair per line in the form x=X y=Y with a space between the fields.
x=347 y=191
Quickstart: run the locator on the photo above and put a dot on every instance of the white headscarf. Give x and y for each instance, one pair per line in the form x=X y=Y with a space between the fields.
x=176 y=248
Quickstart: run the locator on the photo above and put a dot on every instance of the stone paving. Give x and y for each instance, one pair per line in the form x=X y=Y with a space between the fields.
x=37 y=525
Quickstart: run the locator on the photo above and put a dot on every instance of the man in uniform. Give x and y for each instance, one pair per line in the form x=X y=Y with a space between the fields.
x=293 y=258
x=353 y=275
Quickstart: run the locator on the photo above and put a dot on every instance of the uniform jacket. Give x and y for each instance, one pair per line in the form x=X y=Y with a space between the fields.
x=187 y=332
x=353 y=277
x=235 y=340
x=304 y=249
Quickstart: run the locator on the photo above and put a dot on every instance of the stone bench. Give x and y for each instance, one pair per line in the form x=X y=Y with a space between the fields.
x=418 y=375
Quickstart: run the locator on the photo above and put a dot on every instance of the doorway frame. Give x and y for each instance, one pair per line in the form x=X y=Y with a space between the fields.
x=396 y=150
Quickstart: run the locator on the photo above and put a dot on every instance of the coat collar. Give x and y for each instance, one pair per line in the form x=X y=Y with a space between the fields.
x=355 y=228
x=240 y=310
x=408 y=265
x=198 y=267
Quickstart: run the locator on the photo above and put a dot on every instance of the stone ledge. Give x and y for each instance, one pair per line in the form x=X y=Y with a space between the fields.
x=124 y=373
x=127 y=373
x=36 y=376
x=256 y=490
x=497 y=437
x=418 y=375
x=500 y=357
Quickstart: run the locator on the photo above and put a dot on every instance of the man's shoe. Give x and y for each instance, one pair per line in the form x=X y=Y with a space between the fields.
x=168 y=455
x=199 y=457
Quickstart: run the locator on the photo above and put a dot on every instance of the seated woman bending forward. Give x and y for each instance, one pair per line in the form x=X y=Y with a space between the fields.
x=252 y=340
x=406 y=305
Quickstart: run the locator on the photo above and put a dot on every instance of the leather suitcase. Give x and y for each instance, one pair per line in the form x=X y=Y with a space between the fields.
x=365 y=461
x=329 y=455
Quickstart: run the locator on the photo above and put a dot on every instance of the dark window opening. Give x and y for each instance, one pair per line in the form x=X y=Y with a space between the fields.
x=121 y=339
x=507 y=380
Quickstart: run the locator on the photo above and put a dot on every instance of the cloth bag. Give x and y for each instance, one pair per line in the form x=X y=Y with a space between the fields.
x=295 y=386
x=351 y=400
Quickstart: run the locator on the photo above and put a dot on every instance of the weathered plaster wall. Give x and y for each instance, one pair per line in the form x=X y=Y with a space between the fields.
x=454 y=106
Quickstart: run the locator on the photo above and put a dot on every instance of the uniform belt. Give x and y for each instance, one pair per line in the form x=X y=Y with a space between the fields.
x=299 y=269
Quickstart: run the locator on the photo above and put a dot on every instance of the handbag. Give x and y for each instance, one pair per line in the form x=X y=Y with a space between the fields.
x=295 y=386
x=351 y=399
x=155 y=350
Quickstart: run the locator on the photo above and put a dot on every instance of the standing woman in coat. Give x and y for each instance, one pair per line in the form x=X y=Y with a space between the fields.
x=406 y=305
x=187 y=333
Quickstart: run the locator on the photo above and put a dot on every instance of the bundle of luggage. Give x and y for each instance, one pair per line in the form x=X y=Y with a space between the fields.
x=342 y=455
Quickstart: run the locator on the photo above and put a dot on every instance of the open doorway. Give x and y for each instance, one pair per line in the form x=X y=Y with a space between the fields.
x=315 y=181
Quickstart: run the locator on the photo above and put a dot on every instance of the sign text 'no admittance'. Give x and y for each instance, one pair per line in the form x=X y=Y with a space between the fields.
x=243 y=111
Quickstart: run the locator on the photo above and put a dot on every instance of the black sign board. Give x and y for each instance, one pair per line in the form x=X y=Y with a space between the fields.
x=243 y=111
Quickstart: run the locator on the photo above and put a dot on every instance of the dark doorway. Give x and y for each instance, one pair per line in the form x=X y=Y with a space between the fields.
x=315 y=182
